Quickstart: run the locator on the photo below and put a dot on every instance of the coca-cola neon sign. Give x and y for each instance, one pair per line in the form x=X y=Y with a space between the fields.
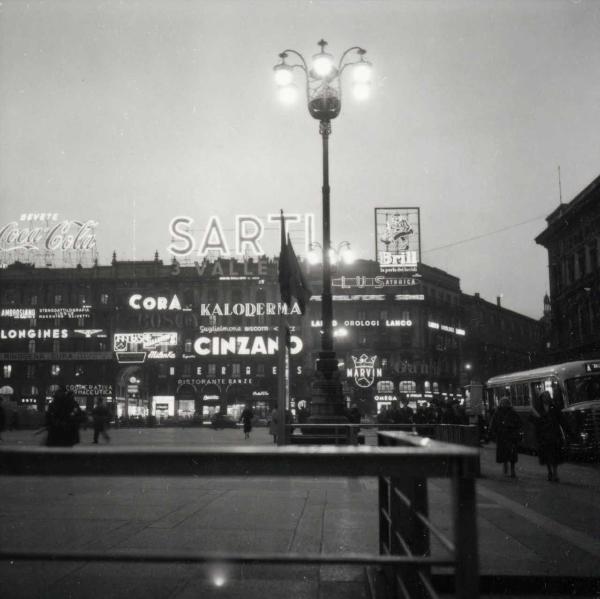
x=46 y=233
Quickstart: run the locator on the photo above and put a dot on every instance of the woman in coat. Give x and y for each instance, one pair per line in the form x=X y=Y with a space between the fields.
x=550 y=434
x=506 y=429
x=246 y=418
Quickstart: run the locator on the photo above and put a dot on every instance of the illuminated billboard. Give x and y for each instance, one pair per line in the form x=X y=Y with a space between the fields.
x=397 y=239
x=136 y=347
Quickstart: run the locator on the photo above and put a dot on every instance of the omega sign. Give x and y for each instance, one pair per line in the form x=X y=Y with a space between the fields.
x=242 y=346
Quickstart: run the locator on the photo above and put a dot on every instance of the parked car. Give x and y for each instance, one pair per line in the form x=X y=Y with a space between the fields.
x=223 y=421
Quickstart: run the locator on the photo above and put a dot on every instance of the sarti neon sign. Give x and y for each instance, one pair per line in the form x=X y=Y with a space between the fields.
x=249 y=231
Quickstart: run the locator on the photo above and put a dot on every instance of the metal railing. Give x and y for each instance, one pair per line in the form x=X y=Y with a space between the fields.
x=403 y=462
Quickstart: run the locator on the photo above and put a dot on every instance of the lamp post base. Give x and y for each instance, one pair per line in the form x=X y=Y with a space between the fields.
x=327 y=401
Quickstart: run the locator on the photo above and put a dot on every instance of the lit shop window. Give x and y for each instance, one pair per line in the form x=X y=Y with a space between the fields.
x=172 y=370
x=55 y=369
x=427 y=387
x=385 y=387
x=104 y=298
x=31 y=346
x=58 y=299
x=436 y=388
x=407 y=387
x=236 y=370
x=7 y=370
x=188 y=346
x=248 y=370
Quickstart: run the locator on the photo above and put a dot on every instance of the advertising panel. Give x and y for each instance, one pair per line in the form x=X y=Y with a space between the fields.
x=397 y=239
x=136 y=347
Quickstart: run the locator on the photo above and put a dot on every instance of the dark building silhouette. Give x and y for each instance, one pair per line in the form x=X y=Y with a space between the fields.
x=572 y=238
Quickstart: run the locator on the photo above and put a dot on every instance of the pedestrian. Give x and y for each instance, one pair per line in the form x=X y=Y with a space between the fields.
x=273 y=422
x=505 y=428
x=100 y=418
x=549 y=433
x=354 y=417
x=246 y=418
x=63 y=419
x=404 y=414
x=2 y=417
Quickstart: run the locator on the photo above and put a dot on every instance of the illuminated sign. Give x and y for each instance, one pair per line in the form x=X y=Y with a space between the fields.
x=137 y=301
x=144 y=341
x=40 y=233
x=67 y=312
x=350 y=298
x=379 y=282
x=18 y=313
x=161 y=355
x=227 y=270
x=364 y=370
x=364 y=323
x=249 y=231
x=446 y=328
x=56 y=356
x=46 y=313
x=397 y=239
x=249 y=309
x=243 y=346
x=91 y=389
x=89 y=333
x=219 y=382
x=34 y=334
x=386 y=398
x=408 y=297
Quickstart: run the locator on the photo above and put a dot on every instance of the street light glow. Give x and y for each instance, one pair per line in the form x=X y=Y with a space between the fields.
x=288 y=94
x=283 y=75
x=322 y=64
x=361 y=91
x=362 y=72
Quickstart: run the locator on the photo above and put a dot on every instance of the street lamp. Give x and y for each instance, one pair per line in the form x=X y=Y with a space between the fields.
x=323 y=81
x=341 y=253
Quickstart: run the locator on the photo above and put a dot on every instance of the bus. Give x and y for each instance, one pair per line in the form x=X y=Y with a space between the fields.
x=574 y=385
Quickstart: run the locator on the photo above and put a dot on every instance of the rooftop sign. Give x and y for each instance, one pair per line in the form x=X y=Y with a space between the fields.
x=397 y=239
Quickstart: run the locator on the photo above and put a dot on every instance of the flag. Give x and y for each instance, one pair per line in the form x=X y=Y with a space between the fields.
x=292 y=282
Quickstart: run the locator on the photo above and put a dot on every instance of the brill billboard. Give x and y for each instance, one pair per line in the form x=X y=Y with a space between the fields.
x=397 y=239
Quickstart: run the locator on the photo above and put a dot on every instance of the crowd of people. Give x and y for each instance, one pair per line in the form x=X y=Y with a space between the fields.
x=65 y=418
x=433 y=412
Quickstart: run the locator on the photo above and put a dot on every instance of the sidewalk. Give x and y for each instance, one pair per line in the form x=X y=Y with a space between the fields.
x=527 y=526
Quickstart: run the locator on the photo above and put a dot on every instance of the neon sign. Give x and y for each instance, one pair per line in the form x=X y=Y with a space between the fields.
x=397 y=239
x=137 y=301
x=249 y=232
x=243 y=346
x=34 y=333
x=364 y=370
x=379 y=282
x=145 y=341
x=47 y=313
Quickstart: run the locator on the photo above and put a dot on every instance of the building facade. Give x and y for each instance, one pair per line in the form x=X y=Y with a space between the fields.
x=572 y=238
x=176 y=341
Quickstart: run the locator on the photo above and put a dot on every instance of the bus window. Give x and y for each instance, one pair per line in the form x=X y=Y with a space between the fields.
x=583 y=388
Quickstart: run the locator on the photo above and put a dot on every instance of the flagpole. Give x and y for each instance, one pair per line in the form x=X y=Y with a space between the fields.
x=281 y=381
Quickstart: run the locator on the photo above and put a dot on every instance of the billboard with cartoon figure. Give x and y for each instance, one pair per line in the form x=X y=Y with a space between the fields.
x=397 y=239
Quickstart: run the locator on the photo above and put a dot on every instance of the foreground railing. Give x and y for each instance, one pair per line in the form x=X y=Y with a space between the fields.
x=402 y=462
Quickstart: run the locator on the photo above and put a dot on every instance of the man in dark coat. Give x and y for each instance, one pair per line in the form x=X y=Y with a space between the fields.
x=63 y=418
x=550 y=434
x=100 y=417
x=506 y=429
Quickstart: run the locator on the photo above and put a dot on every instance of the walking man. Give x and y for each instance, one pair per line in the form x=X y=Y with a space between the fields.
x=100 y=416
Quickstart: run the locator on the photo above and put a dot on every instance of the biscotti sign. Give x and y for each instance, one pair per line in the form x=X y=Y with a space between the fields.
x=248 y=237
x=44 y=232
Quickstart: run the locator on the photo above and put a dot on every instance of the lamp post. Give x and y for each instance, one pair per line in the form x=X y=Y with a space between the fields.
x=324 y=98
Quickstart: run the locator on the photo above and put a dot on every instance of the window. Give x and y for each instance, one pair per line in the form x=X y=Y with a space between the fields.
x=33 y=300
x=55 y=369
x=405 y=315
x=236 y=370
x=593 y=255
x=187 y=369
x=58 y=299
x=162 y=371
x=30 y=372
x=7 y=370
x=187 y=346
x=212 y=370
x=33 y=322
x=31 y=346
x=81 y=321
x=104 y=298
x=385 y=387
x=580 y=263
x=56 y=346
x=407 y=387
x=82 y=299
x=260 y=370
